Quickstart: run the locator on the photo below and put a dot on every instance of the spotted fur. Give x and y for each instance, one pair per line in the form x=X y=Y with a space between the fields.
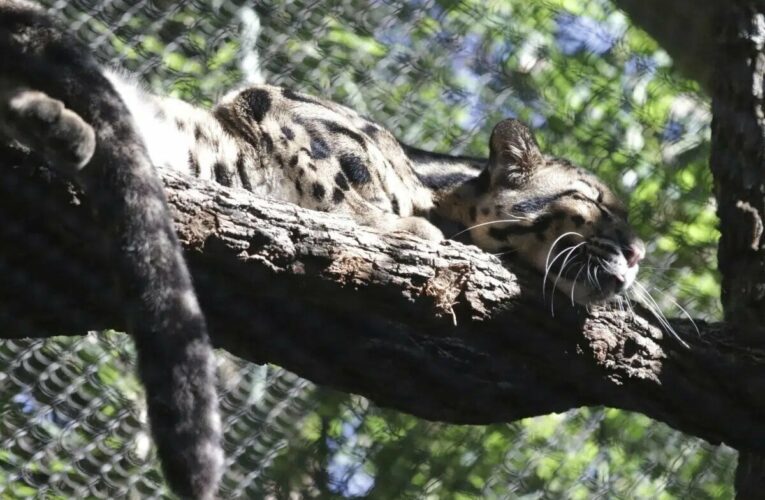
x=318 y=154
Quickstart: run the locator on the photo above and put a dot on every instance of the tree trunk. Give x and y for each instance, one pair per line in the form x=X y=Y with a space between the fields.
x=689 y=47
x=738 y=165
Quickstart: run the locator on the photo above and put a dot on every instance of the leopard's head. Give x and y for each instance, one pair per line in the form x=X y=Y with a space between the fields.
x=559 y=218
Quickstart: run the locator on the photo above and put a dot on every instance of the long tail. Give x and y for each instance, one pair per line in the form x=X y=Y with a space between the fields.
x=176 y=362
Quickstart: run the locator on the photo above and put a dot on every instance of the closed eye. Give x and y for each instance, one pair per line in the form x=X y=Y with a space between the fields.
x=602 y=207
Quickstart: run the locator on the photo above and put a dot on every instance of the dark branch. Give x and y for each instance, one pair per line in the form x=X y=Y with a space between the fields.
x=348 y=308
x=684 y=28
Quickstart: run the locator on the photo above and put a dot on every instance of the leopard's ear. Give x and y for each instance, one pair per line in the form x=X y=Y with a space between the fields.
x=514 y=153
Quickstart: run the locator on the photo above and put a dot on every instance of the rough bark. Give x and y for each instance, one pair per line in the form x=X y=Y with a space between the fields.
x=738 y=165
x=444 y=332
x=686 y=29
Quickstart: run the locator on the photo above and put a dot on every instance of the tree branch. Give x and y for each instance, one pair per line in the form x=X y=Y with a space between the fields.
x=684 y=28
x=346 y=307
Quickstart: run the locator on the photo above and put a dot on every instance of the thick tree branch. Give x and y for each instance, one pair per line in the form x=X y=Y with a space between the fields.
x=684 y=28
x=375 y=315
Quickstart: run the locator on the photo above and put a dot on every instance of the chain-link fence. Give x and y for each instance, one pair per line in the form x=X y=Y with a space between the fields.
x=439 y=74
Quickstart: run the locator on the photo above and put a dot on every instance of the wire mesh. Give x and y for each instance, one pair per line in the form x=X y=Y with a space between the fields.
x=439 y=74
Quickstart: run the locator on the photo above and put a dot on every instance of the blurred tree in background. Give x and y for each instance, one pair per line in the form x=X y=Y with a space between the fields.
x=440 y=74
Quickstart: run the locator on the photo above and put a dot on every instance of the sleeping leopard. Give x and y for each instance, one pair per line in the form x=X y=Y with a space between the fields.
x=321 y=155
x=104 y=131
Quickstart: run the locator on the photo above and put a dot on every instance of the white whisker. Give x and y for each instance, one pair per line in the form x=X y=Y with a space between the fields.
x=552 y=247
x=595 y=276
x=621 y=305
x=498 y=221
x=656 y=310
x=503 y=253
x=675 y=284
x=573 y=285
x=629 y=305
x=589 y=272
x=549 y=252
x=552 y=262
x=562 y=268
x=687 y=315
x=649 y=303
x=549 y=266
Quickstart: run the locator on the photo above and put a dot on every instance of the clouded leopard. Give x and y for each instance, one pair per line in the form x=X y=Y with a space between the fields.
x=321 y=155
x=105 y=131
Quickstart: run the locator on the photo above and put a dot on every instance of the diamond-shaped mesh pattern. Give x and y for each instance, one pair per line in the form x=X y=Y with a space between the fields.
x=75 y=422
x=439 y=74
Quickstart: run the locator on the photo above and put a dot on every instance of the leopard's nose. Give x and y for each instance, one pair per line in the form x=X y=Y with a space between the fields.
x=634 y=253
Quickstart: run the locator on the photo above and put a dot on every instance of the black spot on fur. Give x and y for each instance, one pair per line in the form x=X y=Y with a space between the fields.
x=394 y=205
x=370 y=129
x=267 y=143
x=336 y=128
x=338 y=195
x=301 y=172
x=197 y=132
x=288 y=133
x=258 y=103
x=294 y=96
x=318 y=191
x=180 y=124
x=293 y=161
x=221 y=174
x=312 y=166
x=578 y=220
x=473 y=213
x=298 y=188
x=342 y=181
x=444 y=180
x=355 y=169
x=194 y=164
x=319 y=147
x=485 y=210
x=279 y=160
x=241 y=169
x=483 y=182
x=535 y=204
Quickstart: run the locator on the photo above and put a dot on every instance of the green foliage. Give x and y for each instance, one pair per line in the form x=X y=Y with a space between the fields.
x=440 y=73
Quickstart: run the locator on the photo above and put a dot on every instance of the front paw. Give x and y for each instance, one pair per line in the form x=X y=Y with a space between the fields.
x=419 y=227
x=46 y=126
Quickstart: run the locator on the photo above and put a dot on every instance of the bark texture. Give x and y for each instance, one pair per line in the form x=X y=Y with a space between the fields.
x=444 y=332
x=738 y=165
